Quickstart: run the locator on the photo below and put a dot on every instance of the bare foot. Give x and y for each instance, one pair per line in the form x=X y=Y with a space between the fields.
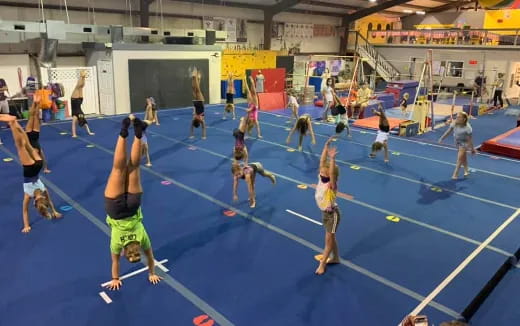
x=321 y=269
x=191 y=137
x=148 y=164
x=91 y=133
x=252 y=203
x=386 y=161
x=47 y=171
x=260 y=136
x=203 y=137
x=131 y=117
x=74 y=136
x=454 y=177
x=466 y=173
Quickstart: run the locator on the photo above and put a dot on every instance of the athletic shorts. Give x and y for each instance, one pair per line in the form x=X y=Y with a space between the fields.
x=229 y=98
x=123 y=206
x=34 y=139
x=334 y=111
x=75 y=107
x=331 y=220
x=199 y=107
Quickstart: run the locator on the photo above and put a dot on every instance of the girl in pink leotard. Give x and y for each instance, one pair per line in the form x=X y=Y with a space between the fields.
x=252 y=111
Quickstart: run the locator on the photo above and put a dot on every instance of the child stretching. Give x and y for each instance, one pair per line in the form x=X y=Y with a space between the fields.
x=342 y=118
x=151 y=111
x=230 y=93
x=198 y=105
x=381 y=141
x=248 y=173
x=252 y=99
x=293 y=105
x=404 y=102
x=240 y=149
x=303 y=124
x=123 y=205
x=326 y=192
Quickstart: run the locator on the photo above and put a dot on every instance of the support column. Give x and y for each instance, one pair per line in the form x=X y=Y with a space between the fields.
x=268 y=26
x=343 y=40
x=144 y=8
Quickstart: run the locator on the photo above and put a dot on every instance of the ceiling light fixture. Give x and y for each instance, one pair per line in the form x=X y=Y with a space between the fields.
x=372 y=0
x=408 y=11
x=420 y=12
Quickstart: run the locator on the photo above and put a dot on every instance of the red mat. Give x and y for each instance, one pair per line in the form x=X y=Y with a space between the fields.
x=272 y=101
x=373 y=123
x=507 y=144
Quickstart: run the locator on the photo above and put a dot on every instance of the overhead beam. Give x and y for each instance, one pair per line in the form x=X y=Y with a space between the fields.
x=283 y=5
x=372 y=10
x=450 y=6
x=331 y=5
x=313 y=12
x=415 y=7
x=221 y=3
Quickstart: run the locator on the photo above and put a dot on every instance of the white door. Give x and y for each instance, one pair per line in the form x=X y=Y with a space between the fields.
x=512 y=89
x=106 y=87
x=68 y=77
x=493 y=68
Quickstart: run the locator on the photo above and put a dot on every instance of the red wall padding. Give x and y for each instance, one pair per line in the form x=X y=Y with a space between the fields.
x=274 y=79
x=271 y=101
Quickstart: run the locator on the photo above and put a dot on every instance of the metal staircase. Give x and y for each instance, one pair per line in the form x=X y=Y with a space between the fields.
x=370 y=55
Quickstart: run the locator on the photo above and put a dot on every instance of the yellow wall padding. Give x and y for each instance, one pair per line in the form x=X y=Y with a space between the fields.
x=502 y=19
x=238 y=61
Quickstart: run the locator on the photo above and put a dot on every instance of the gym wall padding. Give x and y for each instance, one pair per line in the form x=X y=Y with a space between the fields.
x=286 y=62
x=168 y=81
x=274 y=79
x=238 y=61
x=272 y=101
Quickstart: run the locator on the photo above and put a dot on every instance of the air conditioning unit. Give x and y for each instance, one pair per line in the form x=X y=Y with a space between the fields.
x=196 y=32
x=177 y=32
x=220 y=36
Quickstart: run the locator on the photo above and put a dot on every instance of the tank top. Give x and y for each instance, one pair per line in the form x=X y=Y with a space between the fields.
x=325 y=196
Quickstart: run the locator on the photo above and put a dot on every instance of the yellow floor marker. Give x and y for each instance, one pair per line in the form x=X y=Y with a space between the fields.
x=302 y=186
x=392 y=218
x=291 y=150
x=436 y=189
x=355 y=167
x=318 y=257
x=8 y=159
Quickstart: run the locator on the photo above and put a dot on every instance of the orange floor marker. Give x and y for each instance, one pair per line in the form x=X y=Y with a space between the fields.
x=203 y=320
x=229 y=213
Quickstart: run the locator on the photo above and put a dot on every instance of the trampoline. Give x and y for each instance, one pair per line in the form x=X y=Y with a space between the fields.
x=506 y=144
